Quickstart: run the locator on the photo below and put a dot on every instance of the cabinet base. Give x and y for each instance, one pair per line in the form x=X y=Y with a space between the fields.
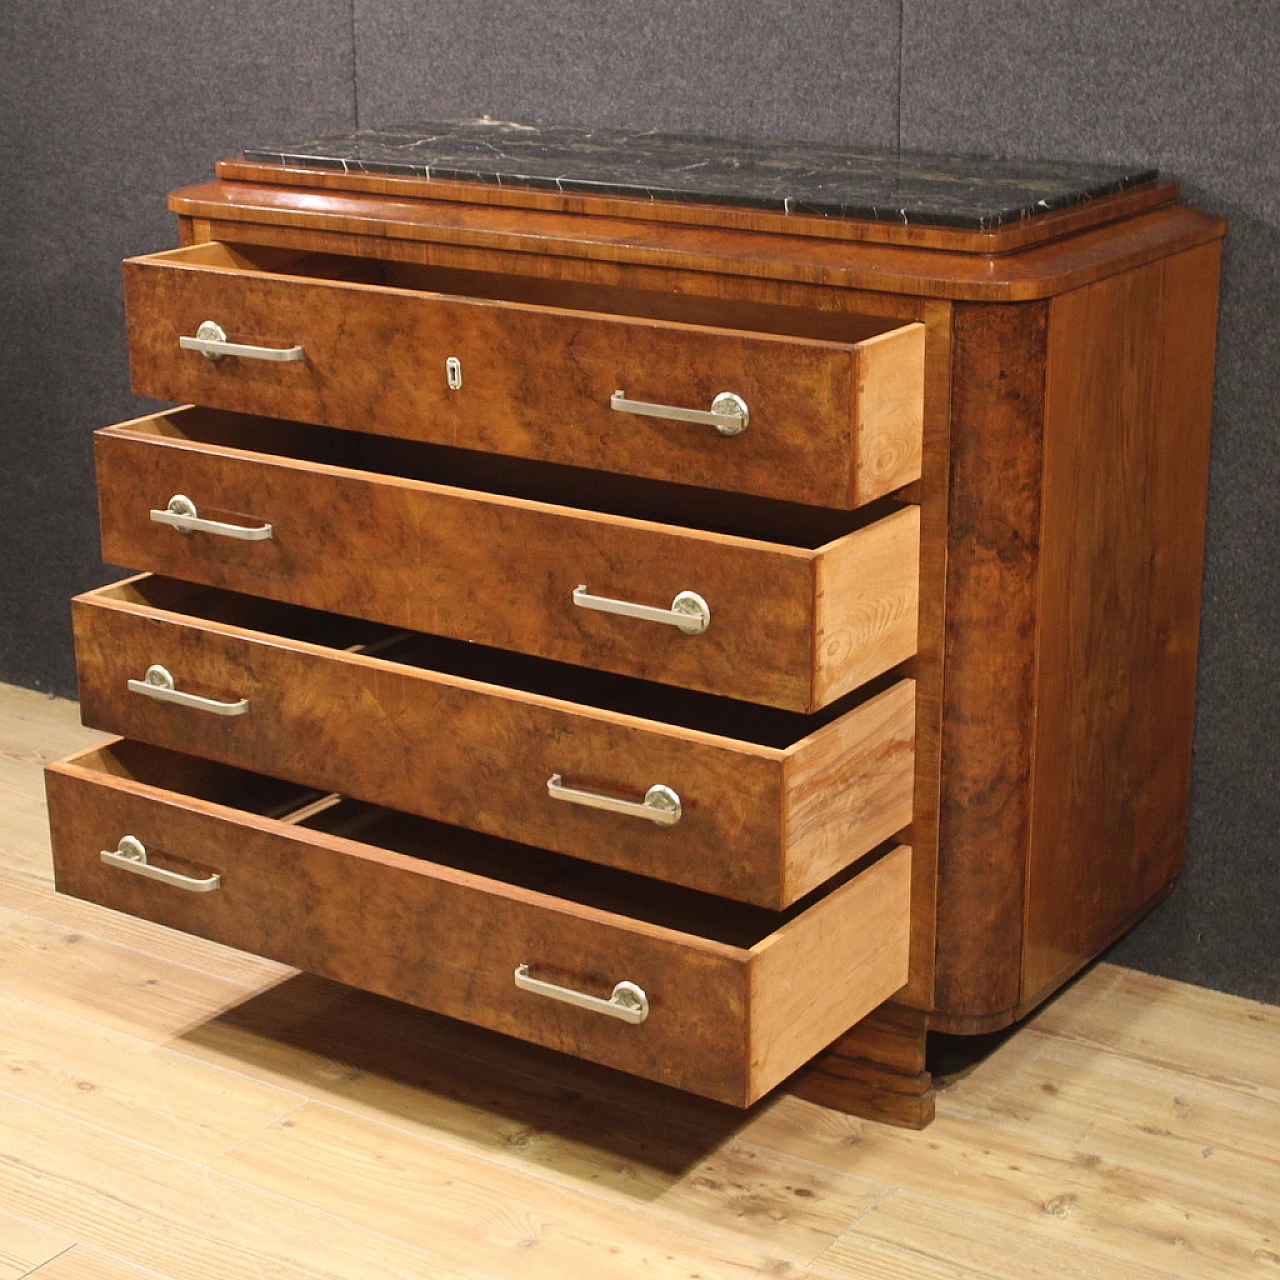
x=876 y=1071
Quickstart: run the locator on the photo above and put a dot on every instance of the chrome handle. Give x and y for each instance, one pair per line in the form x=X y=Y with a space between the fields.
x=158 y=684
x=660 y=804
x=728 y=413
x=131 y=855
x=181 y=514
x=628 y=1002
x=689 y=611
x=211 y=342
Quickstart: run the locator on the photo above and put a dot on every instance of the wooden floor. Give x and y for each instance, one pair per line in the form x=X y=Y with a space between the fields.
x=172 y=1108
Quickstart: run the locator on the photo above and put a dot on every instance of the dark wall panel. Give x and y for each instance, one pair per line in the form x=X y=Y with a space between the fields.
x=103 y=109
x=1194 y=90
x=827 y=69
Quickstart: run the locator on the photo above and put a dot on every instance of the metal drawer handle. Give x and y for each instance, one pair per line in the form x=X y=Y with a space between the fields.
x=628 y=1002
x=181 y=514
x=211 y=342
x=131 y=855
x=728 y=413
x=689 y=611
x=660 y=803
x=158 y=684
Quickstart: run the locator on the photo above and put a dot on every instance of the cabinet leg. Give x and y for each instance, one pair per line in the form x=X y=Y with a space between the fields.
x=876 y=1070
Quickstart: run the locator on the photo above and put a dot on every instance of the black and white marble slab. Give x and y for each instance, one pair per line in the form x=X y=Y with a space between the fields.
x=974 y=192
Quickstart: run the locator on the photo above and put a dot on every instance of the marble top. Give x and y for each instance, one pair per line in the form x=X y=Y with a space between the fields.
x=976 y=192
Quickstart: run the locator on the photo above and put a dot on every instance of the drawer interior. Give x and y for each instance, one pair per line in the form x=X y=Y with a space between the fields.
x=675 y=308
x=601 y=888
x=764 y=519
x=707 y=713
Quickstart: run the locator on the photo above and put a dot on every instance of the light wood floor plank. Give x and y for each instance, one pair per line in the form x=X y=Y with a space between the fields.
x=184 y=1221
x=474 y=1210
x=1223 y=1039
x=24 y=1246
x=36 y=897
x=102 y=981
x=1171 y=1115
x=1063 y=1169
x=153 y=1095
x=909 y=1237
x=79 y=1263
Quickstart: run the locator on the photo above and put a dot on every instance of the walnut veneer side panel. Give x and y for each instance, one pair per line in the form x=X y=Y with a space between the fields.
x=988 y=693
x=1129 y=402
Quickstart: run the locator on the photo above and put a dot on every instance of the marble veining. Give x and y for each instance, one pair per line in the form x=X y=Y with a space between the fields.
x=975 y=192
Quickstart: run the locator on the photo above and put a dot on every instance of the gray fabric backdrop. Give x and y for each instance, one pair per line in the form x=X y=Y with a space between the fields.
x=104 y=108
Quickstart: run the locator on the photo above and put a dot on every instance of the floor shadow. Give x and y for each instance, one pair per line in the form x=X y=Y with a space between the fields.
x=407 y=1066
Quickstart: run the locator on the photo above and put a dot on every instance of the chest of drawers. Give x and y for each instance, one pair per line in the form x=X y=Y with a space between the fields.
x=717 y=641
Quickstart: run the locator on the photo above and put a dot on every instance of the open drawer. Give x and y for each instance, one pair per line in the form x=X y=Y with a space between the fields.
x=721 y=796
x=713 y=997
x=830 y=415
x=761 y=601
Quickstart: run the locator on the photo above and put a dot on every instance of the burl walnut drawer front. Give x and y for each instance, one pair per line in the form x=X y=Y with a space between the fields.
x=712 y=997
x=747 y=802
x=809 y=608
x=832 y=423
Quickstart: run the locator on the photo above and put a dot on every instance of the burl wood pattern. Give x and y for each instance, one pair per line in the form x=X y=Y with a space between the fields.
x=536 y=381
x=988 y=708
x=502 y=571
x=761 y=824
x=450 y=940
x=1128 y=407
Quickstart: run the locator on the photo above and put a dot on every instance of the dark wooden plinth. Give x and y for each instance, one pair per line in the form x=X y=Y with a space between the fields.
x=876 y=1070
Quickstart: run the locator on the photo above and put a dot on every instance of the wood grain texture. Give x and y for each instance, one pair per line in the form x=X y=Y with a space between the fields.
x=80 y=1263
x=877 y=1069
x=131 y=1201
x=866 y=603
x=470 y=752
x=450 y=938
x=851 y=782
x=486 y=262
x=889 y=378
x=1036 y=272
x=24 y=1247
x=988 y=693
x=476 y=1213
x=375 y=362
x=810 y=985
x=502 y=571
x=1002 y=239
x=1128 y=407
